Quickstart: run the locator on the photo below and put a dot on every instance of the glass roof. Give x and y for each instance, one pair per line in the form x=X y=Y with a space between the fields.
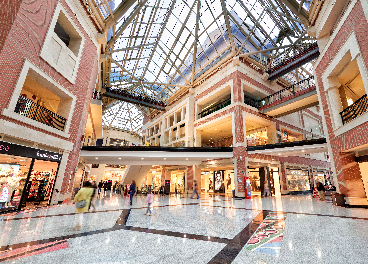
x=161 y=46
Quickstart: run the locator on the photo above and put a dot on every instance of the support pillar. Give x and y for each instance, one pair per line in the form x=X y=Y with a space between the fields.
x=240 y=170
x=335 y=106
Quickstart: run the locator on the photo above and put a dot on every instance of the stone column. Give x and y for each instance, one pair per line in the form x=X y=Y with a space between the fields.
x=240 y=170
x=271 y=134
x=198 y=138
x=283 y=181
x=238 y=128
x=189 y=122
x=189 y=179
x=335 y=106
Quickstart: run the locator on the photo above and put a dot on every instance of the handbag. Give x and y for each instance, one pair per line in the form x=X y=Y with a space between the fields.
x=81 y=204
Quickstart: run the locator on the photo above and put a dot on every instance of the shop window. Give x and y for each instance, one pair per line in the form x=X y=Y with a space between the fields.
x=13 y=175
x=63 y=44
x=41 y=102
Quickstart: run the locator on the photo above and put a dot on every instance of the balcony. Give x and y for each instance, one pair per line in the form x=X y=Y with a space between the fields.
x=215 y=107
x=30 y=109
x=358 y=108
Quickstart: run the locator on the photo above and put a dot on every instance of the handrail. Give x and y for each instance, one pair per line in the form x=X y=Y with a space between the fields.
x=287 y=92
x=30 y=109
x=215 y=108
x=359 y=107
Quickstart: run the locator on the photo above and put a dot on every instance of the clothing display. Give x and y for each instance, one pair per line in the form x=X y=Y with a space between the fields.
x=40 y=186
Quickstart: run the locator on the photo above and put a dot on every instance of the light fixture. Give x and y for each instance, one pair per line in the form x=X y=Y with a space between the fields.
x=142 y=158
x=186 y=158
x=119 y=158
x=215 y=128
x=164 y=158
x=96 y=158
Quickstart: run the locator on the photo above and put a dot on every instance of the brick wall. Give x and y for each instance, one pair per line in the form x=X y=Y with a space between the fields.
x=8 y=12
x=24 y=41
x=348 y=172
x=189 y=179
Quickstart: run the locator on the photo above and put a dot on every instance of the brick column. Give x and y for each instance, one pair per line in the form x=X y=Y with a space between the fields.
x=283 y=181
x=237 y=89
x=240 y=170
x=189 y=178
x=348 y=175
x=163 y=175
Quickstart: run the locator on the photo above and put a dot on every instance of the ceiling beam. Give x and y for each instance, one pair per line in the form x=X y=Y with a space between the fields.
x=126 y=23
x=263 y=51
x=294 y=7
x=195 y=41
x=118 y=13
x=228 y=28
x=130 y=48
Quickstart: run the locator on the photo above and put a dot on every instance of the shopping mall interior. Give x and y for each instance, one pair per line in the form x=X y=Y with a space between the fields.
x=184 y=131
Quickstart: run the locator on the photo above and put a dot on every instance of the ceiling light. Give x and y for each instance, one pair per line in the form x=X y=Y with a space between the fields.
x=186 y=158
x=303 y=150
x=164 y=158
x=96 y=158
x=215 y=128
x=119 y=158
x=142 y=158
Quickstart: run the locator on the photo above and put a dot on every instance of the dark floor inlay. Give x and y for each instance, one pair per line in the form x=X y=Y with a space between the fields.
x=233 y=248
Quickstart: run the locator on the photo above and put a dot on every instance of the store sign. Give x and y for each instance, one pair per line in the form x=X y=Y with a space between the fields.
x=23 y=151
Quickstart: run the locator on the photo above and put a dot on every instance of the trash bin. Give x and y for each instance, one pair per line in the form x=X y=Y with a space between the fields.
x=338 y=199
x=233 y=193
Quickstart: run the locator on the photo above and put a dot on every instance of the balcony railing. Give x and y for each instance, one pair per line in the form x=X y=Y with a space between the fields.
x=359 y=107
x=288 y=93
x=215 y=108
x=30 y=109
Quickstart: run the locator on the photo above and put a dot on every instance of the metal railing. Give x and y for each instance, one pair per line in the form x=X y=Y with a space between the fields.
x=215 y=108
x=289 y=91
x=293 y=54
x=30 y=109
x=359 y=107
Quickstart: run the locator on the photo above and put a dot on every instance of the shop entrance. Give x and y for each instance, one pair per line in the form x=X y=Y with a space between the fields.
x=298 y=180
x=177 y=183
x=218 y=181
x=41 y=183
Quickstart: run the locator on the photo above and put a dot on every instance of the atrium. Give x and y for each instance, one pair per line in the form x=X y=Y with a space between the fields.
x=184 y=131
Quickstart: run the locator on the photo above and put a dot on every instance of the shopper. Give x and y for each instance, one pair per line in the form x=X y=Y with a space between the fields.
x=83 y=201
x=266 y=189
x=194 y=189
x=105 y=186
x=100 y=185
x=149 y=201
x=321 y=191
x=132 y=191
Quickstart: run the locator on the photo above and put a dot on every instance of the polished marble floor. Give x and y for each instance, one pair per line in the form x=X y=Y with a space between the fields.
x=287 y=229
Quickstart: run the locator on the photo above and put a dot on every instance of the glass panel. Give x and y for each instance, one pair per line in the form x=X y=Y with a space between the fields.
x=13 y=174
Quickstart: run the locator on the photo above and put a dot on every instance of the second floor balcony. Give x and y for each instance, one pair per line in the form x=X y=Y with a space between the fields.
x=214 y=107
x=30 y=109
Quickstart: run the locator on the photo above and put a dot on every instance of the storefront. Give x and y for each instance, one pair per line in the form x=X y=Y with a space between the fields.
x=220 y=181
x=255 y=181
x=27 y=176
x=298 y=180
x=258 y=137
x=177 y=181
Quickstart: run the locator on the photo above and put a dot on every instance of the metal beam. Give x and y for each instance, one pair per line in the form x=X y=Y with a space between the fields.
x=294 y=7
x=285 y=15
x=130 y=48
x=195 y=41
x=263 y=51
x=121 y=67
x=126 y=23
x=228 y=28
x=118 y=13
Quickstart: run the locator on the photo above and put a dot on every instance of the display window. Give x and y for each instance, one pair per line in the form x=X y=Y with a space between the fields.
x=177 y=182
x=298 y=180
x=13 y=175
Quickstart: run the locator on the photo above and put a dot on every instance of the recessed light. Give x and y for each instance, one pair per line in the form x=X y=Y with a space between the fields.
x=208 y=159
x=215 y=128
x=186 y=158
x=142 y=158
x=119 y=158
x=164 y=158
x=96 y=158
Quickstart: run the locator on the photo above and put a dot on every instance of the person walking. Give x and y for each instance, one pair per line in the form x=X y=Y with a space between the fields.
x=266 y=189
x=321 y=191
x=83 y=201
x=100 y=185
x=149 y=201
x=132 y=191
x=194 y=190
